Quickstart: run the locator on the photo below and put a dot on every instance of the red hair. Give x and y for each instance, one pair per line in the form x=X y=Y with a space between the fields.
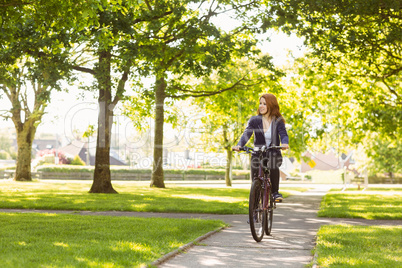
x=272 y=105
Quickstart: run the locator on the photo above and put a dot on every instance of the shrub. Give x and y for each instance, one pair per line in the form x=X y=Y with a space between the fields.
x=381 y=179
x=4 y=155
x=77 y=161
x=120 y=169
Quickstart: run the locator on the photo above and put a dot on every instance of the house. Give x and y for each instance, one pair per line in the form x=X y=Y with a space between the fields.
x=41 y=144
x=327 y=161
x=80 y=148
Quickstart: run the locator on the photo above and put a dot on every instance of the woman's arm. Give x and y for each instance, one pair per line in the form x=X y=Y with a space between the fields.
x=248 y=132
x=283 y=134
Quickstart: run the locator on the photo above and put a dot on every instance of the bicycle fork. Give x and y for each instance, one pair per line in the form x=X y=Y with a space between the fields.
x=266 y=203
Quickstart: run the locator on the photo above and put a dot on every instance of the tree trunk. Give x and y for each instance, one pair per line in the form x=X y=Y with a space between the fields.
x=102 y=180
x=228 y=173
x=25 y=136
x=157 y=179
x=229 y=157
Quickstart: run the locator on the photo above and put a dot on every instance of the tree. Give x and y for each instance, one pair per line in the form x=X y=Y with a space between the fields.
x=32 y=57
x=367 y=33
x=227 y=112
x=345 y=113
x=361 y=42
x=111 y=40
x=187 y=44
x=385 y=155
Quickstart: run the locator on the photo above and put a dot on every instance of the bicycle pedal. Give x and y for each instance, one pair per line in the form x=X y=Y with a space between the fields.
x=278 y=201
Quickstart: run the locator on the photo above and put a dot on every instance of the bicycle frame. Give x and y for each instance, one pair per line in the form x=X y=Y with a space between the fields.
x=264 y=177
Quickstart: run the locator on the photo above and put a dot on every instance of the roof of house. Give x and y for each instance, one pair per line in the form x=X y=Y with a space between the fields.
x=80 y=148
x=327 y=161
x=73 y=149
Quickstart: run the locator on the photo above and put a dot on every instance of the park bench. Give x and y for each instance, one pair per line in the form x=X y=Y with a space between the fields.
x=359 y=179
x=9 y=174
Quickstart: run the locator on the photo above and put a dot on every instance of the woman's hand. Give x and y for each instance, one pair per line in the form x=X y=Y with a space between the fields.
x=236 y=148
x=285 y=146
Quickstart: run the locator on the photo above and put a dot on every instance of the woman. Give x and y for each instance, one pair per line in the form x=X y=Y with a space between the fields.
x=268 y=126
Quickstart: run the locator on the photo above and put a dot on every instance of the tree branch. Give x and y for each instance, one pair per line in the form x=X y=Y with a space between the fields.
x=120 y=86
x=390 y=88
x=84 y=69
x=148 y=5
x=197 y=94
x=16 y=4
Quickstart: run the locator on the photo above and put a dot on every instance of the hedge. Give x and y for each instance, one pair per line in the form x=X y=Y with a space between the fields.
x=118 y=169
x=384 y=180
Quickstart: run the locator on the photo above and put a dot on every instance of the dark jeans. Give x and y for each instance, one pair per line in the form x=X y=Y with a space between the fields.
x=274 y=173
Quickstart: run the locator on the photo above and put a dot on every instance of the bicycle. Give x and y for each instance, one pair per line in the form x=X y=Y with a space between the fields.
x=261 y=201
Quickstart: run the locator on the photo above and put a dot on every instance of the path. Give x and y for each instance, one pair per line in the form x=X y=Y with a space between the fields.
x=293 y=238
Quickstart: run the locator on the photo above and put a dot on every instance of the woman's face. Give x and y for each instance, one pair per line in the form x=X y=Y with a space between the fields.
x=263 y=106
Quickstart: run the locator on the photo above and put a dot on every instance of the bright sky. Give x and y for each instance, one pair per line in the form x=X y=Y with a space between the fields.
x=77 y=109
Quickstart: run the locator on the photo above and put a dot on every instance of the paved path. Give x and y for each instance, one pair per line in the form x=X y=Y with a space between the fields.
x=290 y=244
x=293 y=235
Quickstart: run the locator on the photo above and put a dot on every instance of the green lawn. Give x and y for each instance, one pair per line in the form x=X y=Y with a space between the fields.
x=69 y=240
x=59 y=240
x=375 y=205
x=371 y=189
x=131 y=197
x=359 y=246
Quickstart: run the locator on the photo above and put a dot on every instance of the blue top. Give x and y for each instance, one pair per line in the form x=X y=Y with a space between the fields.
x=278 y=130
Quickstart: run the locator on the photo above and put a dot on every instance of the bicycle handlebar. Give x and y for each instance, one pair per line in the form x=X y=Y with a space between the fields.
x=259 y=149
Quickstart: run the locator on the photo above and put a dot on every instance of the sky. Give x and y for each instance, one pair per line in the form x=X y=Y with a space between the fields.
x=76 y=109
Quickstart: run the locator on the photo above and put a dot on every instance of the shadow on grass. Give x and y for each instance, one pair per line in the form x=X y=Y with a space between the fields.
x=362 y=246
x=366 y=206
x=99 y=241
x=180 y=200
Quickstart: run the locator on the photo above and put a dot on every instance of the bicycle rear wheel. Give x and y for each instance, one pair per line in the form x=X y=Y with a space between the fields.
x=269 y=214
x=256 y=211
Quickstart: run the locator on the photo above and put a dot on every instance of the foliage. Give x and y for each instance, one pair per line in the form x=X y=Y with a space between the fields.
x=63 y=159
x=358 y=246
x=5 y=143
x=382 y=179
x=4 y=155
x=33 y=60
x=227 y=113
x=344 y=114
x=77 y=161
x=351 y=31
x=188 y=43
x=356 y=45
x=90 y=241
x=386 y=155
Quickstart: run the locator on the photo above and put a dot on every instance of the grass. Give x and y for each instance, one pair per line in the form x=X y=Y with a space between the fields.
x=58 y=240
x=359 y=246
x=374 y=206
x=371 y=189
x=131 y=197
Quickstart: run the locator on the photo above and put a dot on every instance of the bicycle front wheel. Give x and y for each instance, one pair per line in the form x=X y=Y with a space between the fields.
x=269 y=214
x=256 y=211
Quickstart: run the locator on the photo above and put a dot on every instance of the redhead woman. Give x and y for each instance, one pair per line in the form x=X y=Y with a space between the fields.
x=269 y=129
